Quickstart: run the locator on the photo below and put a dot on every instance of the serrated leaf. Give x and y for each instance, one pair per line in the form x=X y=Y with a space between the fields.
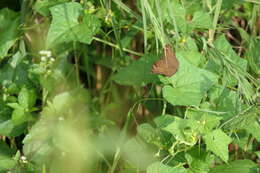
x=65 y=17
x=65 y=27
x=182 y=130
x=205 y=122
x=159 y=167
x=188 y=85
x=217 y=142
x=84 y=31
x=138 y=73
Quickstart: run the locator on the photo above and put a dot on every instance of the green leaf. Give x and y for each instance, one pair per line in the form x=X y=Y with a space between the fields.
x=189 y=85
x=205 y=122
x=43 y=6
x=9 y=25
x=253 y=56
x=7 y=164
x=27 y=98
x=163 y=121
x=65 y=17
x=6 y=160
x=138 y=73
x=238 y=166
x=199 y=160
x=7 y=128
x=144 y=156
x=217 y=142
x=5 y=151
x=153 y=135
x=201 y=20
x=20 y=116
x=84 y=31
x=223 y=46
x=195 y=58
x=65 y=27
x=159 y=167
x=225 y=100
x=254 y=129
x=182 y=130
x=258 y=154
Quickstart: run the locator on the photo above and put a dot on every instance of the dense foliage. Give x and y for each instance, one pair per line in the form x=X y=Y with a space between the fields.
x=77 y=92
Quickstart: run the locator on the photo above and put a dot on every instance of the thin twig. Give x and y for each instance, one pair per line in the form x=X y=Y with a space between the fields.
x=117 y=47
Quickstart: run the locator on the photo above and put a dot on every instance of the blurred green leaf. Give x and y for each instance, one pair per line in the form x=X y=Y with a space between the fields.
x=27 y=98
x=217 y=142
x=159 y=167
x=6 y=160
x=144 y=156
x=9 y=30
x=7 y=128
x=243 y=166
x=201 y=20
x=20 y=116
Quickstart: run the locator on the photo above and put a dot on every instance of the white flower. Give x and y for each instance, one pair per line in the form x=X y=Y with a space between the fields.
x=42 y=52
x=43 y=58
x=24 y=159
x=45 y=53
x=52 y=59
x=61 y=118
x=48 y=53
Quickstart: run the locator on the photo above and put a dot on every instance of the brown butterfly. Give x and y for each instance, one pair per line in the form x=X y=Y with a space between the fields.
x=168 y=64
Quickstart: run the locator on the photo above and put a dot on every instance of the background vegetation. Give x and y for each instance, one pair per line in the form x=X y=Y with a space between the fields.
x=77 y=93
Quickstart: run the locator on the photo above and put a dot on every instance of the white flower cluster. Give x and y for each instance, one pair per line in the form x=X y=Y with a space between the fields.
x=23 y=159
x=46 y=61
x=45 y=55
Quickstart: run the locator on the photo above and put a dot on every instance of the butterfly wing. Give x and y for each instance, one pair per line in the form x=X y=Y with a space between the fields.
x=168 y=65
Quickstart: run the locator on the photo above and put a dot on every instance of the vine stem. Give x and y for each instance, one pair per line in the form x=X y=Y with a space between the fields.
x=117 y=47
